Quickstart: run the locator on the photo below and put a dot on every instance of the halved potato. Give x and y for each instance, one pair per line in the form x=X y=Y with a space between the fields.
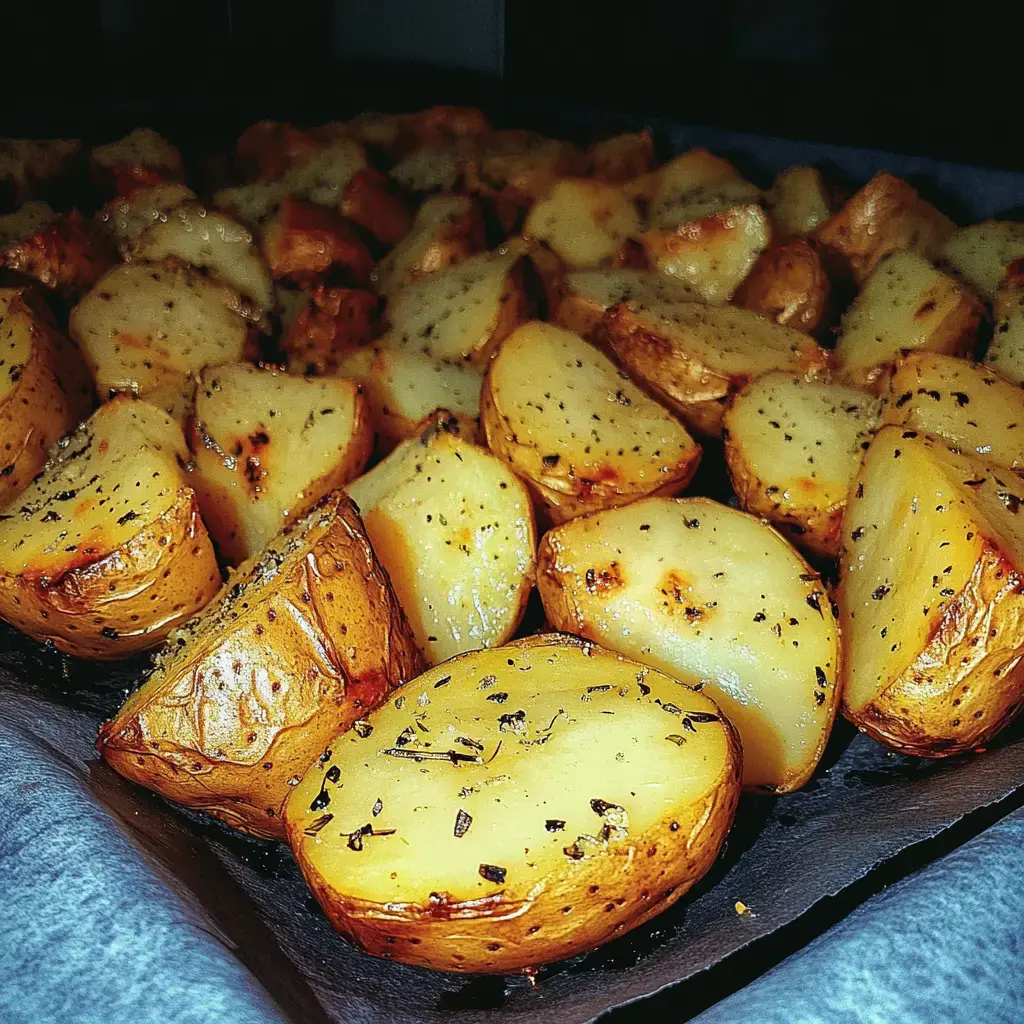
x=328 y=325
x=696 y=356
x=143 y=157
x=431 y=169
x=979 y=253
x=127 y=217
x=446 y=231
x=301 y=642
x=576 y=428
x=716 y=599
x=461 y=313
x=404 y=388
x=930 y=581
x=1005 y=352
x=29 y=219
x=798 y=202
x=694 y=186
x=585 y=222
x=323 y=175
x=906 y=303
x=622 y=157
x=267 y=446
x=788 y=285
x=883 y=217
x=218 y=244
x=104 y=553
x=29 y=168
x=454 y=528
x=519 y=805
x=793 y=447
x=253 y=202
x=150 y=328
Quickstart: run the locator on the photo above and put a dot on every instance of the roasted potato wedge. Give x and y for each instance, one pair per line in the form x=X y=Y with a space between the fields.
x=694 y=186
x=125 y=218
x=431 y=169
x=585 y=222
x=141 y=158
x=930 y=580
x=798 y=202
x=267 y=446
x=378 y=131
x=300 y=643
x=440 y=124
x=31 y=168
x=1005 y=352
x=979 y=253
x=329 y=324
x=793 y=447
x=447 y=230
x=716 y=599
x=252 y=203
x=696 y=356
x=461 y=313
x=883 y=217
x=515 y=837
x=105 y=553
x=454 y=528
x=623 y=157
x=325 y=174
x=268 y=149
x=788 y=285
x=578 y=430
x=369 y=202
x=905 y=304
x=32 y=218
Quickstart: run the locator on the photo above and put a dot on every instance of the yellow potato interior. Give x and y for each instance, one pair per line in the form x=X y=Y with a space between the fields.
x=127 y=217
x=979 y=253
x=798 y=201
x=143 y=147
x=1006 y=350
x=252 y=203
x=428 y=169
x=609 y=286
x=25 y=221
x=694 y=185
x=323 y=177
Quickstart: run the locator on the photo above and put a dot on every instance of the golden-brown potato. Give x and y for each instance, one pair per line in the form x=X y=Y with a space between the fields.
x=125 y=218
x=30 y=168
x=788 y=285
x=324 y=175
x=454 y=528
x=883 y=217
x=302 y=642
x=1005 y=352
x=329 y=324
x=577 y=429
x=268 y=149
x=437 y=125
x=694 y=186
x=930 y=580
x=798 y=202
x=716 y=599
x=32 y=218
x=446 y=231
x=696 y=356
x=905 y=304
x=105 y=553
x=369 y=202
x=141 y=158
x=561 y=797
x=793 y=447
x=267 y=446
x=45 y=390
x=979 y=253
x=461 y=313
x=623 y=157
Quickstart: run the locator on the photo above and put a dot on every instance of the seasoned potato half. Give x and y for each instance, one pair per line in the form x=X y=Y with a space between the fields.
x=128 y=217
x=463 y=312
x=576 y=428
x=885 y=216
x=695 y=356
x=403 y=388
x=430 y=169
x=788 y=285
x=979 y=253
x=252 y=203
x=967 y=404
x=718 y=600
x=798 y=202
x=150 y=328
x=713 y=254
x=217 y=243
x=267 y=446
x=1005 y=352
x=793 y=447
x=446 y=231
x=695 y=185
x=930 y=590
x=301 y=642
x=143 y=157
x=45 y=391
x=518 y=806
x=328 y=325
x=905 y=304
x=105 y=553
x=584 y=222
x=622 y=157
x=323 y=176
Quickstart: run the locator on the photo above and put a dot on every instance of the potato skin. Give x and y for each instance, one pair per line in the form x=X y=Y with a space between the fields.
x=315 y=651
x=333 y=322
x=788 y=285
x=368 y=202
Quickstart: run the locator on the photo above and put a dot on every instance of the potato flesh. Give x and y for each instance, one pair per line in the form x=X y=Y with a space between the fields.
x=585 y=222
x=323 y=177
x=798 y=202
x=622 y=157
x=694 y=185
x=552 y=689
x=454 y=529
x=26 y=221
x=979 y=253
x=428 y=170
x=127 y=217
x=143 y=148
x=267 y=446
x=252 y=203
x=1005 y=352
x=716 y=599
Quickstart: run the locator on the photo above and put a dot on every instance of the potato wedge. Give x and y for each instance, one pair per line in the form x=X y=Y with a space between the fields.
x=141 y=158
x=323 y=176
x=1005 y=352
x=713 y=254
x=716 y=599
x=586 y=223
x=329 y=324
x=30 y=219
x=696 y=356
x=788 y=285
x=905 y=304
x=883 y=217
x=431 y=169
x=252 y=203
x=461 y=313
x=150 y=328
x=444 y=123
x=104 y=553
x=379 y=131
x=793 y=447
x=31 y=168
x=300 y=643
x=623 y=157
x=268 y=149
x=128 y=217
x=979 y=253
x=549 y=815
x=454 y=528
x=578 y=430
x=694 y=186
x=521 y=164
x=446 y=230
x=370 y=202
x=798 y=202
x=930 y=580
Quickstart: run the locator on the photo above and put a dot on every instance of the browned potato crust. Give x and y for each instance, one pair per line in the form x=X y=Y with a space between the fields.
x=369 y=202
x=622 y=158
x=331 y=323
x=788 y=285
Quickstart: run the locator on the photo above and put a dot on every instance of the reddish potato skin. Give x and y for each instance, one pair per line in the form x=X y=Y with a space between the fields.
x=369 y=202
x=334 y=321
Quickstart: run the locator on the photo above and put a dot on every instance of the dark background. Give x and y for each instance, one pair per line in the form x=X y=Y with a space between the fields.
x=941 y=80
